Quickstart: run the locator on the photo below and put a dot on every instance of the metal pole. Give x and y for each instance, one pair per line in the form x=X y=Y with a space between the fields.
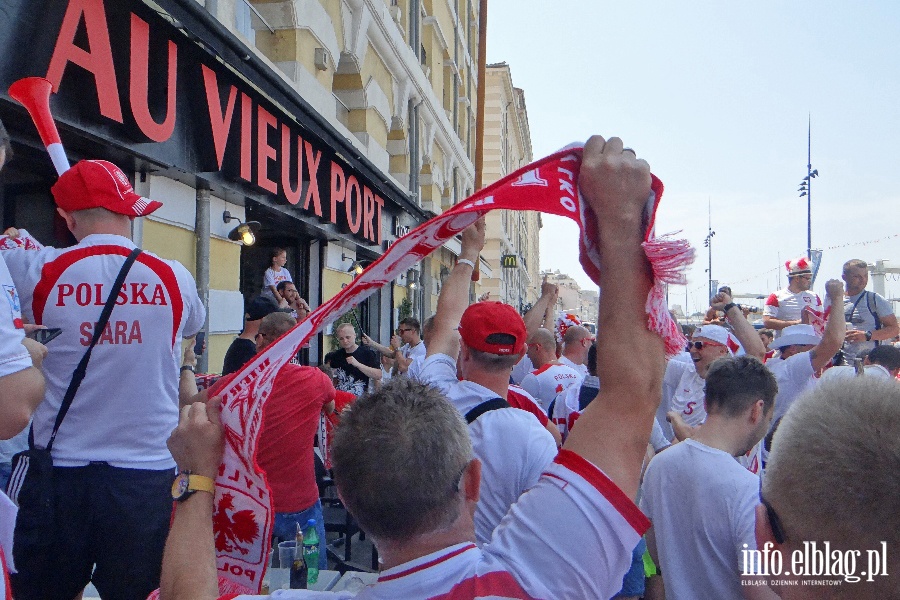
x=202 y=231
x=809 y=188
x=709 y=242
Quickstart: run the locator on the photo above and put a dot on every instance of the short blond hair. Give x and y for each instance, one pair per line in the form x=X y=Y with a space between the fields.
x=834 y=471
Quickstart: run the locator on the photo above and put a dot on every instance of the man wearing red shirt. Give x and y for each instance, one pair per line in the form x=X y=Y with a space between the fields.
x=290 y=422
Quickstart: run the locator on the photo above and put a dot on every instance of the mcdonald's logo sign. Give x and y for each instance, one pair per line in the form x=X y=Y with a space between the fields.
x=509 y=261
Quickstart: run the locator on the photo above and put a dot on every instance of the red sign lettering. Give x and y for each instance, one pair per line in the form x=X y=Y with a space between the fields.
x=98 y=62
x=138 y=85
x=264 y=152
x=292 y=193
x=221 y=124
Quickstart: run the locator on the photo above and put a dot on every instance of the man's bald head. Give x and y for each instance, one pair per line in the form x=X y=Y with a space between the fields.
x=541 y=347
x=576 y=344
x=575 y=334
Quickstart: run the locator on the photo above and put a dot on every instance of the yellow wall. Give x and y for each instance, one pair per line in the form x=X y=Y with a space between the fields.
x=216 y=348
x=224 y=265
x=332 y=281
x=174 y=243
x=374 y=67
x=400 y=292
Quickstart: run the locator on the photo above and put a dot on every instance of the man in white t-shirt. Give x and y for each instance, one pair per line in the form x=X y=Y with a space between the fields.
x=550 y=378
x=511 y=444
x=682 y=409
x=870 y=317
x=804 y=354
x=539 y=315
x=114 y=436
x=577 y=340
x=832 y=483
x=21 y=388
x=406 y=346
x=700 y=501
x=421 y=516
x=785 y=307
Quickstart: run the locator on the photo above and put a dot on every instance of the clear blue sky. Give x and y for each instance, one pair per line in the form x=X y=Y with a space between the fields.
x=715 y=95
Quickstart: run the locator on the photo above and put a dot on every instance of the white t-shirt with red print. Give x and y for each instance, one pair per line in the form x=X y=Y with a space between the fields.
x=683 y=391
x=272 y=278
x=127 y=404
x=548 y=381
x=788 y=306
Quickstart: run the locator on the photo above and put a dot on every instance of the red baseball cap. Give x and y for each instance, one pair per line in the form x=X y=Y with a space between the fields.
x=493 y=327
x=100 y=184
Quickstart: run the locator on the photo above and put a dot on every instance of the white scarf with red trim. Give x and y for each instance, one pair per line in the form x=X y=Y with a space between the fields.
x=243 y=508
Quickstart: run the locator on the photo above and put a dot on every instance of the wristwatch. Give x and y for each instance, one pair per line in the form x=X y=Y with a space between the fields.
x=187 y=368
x=868 y=336
x=187 y=483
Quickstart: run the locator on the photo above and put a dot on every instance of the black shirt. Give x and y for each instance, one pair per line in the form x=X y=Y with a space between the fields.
x=348 y=378
x=239 y=354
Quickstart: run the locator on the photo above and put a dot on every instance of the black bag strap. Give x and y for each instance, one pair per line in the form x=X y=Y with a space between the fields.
x=79 y=372
x=874 y=313
x=486 y=406
x=849 y=315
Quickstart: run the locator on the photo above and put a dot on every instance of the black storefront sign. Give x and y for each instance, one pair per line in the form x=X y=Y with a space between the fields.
x=129 y=76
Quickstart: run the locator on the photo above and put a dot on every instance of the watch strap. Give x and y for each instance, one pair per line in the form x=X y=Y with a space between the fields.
x=201 y=483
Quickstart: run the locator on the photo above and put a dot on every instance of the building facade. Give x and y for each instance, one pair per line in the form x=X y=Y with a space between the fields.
x=338 y=125
x=511 y=237
x=583 y=303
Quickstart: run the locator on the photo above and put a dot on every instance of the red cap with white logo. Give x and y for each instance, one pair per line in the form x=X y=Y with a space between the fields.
x=100 y=184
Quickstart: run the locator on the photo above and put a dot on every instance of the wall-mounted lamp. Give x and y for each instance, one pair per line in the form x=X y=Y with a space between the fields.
x=356 y=267
x=245 y=232
x=411 y=279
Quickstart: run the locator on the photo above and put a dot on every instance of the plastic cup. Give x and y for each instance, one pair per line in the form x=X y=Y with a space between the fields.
x=287 y=552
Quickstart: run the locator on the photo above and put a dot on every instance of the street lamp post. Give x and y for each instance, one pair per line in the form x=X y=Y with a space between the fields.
x=708 y=244
x=806 y=188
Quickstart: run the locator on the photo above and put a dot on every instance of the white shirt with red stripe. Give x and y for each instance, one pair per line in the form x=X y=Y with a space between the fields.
x=533 y=554
x=127 y=404
x=787 y=306
x=14 y=356
x=519 y=398
x=550 y=380
x=513 y=447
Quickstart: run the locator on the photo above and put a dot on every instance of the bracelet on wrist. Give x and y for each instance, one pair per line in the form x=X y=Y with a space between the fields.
x=729 y=306
x=465 y=261
x=187 y=368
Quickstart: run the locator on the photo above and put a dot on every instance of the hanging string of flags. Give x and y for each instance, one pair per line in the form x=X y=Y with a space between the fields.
x=866 y=243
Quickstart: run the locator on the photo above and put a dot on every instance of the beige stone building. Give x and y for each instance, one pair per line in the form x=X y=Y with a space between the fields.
x=584 y=303
x=512 y=241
